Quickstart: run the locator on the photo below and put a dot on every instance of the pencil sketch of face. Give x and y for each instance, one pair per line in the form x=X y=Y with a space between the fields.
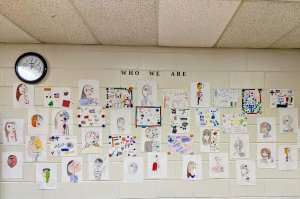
x=133 y=168
x=87 y=91
x=287 y=121
x=238 y=146
x=146 y=90
x=206 y=137
x=121 y=124
x=98 y=170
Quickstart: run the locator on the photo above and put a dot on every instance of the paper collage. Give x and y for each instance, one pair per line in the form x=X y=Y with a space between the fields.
x=282 y=98
x=180 y=121
x=38 y=121
x=57 y=97
x=121 y=145
x=207 y=117
x=13 y=131
x=245 y=172
x=62 y=121
x=46 y=176
x=119 y=97
x=23 y=95
x=91 y=140
x=251 y=101
x=148 y=116
x=71 y=169
x=175 y=98
x=239 y=146
x=180 y=143
x=157 y=165
x=147 y=93
x=63 y=145
x=36 y=148
x=88 y=92
x=287 y=157
x=234 y=123
x=266 y=155
x=151 y=139
x=91 y=116
x=12 y=165
x=218 y=165
x=98 y=167
x=288 y=119
x=120 y=121
x=226 y=97
x=200 y=94
x=266 y=129
x=133 y=169
x=210 y=139
x=191 y=167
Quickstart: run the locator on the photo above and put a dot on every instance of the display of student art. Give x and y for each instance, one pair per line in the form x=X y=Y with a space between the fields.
x=121 y=145
x=133 y=170
x=239 y=146
x=157 y=165
x=151 y=139
x=98 y=167
x=88 y=92
x=12 y=165
x=287 y=157
x=62 y=121
x=210 y=139
x=147 y=93
x=71 y=169
x=191 y=167
x=245 y=172
x=12 y=132
x=266 y=129
x=23 y=95
x=175 y=98
x=226 y=97
x=288 y=119
x=218 y=165
x=120 y=121
x=119 y=97
x=180 y=143
x=180 y=121
x=57 y=97
x=207 y=117
x=282 y=98
x=46 y=175
x=38 y=121
x=36 y=148
x=251 y=101
x=63 y=145
x=200 y=94
x=91 y=116
x=91 y=140
x=234 y=123
x=266 y=155
x=148 y=116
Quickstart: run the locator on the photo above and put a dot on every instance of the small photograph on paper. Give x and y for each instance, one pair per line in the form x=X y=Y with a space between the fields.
x=175 y=98
x=287 y=157
x=239 y=146
x=151 y=139
x=23 y=95
x=251 y=101
x=119 y=97
x=191 y=167
x=91 y=116
x=57 y=97
x=288 y=119
x=148 y=116
x=282 y=98
x=98 y=167
x=13 y=131
x=38 y=121
x=218 y=165
x=180 y=144
x=266 y=129
x=62 y=122
x=36 y=148
x=234 y=123
x=180 y=121
x=71 y=169
x=46 y=176
x=91 y=140
x=88 y=92
x=200 y=94
x=266 y=155
x=245 y=172
x=121 y=145
x=157 y=165
x=226 y=97
x=133 y=170
x=120 y=121
x=63 y=145
x=147 y=93
x=12 y=165
x=207 y=117
x=210 y=139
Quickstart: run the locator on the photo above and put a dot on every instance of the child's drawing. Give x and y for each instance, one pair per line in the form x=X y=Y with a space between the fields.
x=210 y=139
x=180 y=121
x=266 y=155
x=120 y=121
x=207 y=117
x=226 y=97
x=91 y=140
x=251 y=101
x=175 y=98
x=119 y=97
x=91 y=116
x=288 y=120
x=57 y=97
x=245 y=172
x=121 y=145
x=266 y=129
x=282 y=98
x=218 y=165
x=151 y=139
x=13 y=131
x=157 y=165
x=180 y=143
x=200 y=94
x=234 y=123
x=191 y=167
x=23 y=95
x=98 y=167
x=46 y=175
x=287 y=157
x=62 y=122
x=239 y=146
x=147 y=93
x=36 y=148
x=38 y=121
x=133 y=170
x=12 y=165
x=71 y=169
x=148 y=116
x=63 y=145
x=88 y=92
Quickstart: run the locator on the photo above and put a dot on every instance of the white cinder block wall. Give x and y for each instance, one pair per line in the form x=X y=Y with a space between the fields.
x=221 y=67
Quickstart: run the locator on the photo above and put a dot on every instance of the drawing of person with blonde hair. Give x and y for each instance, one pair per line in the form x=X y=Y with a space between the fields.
x=61 y=122
x=191 y=170
x=35 y=148
x=11 y=132
x=21 y=94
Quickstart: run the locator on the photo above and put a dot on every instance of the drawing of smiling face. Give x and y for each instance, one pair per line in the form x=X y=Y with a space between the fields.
x=92 y=138
x=73 y=167
x=12 y=161
x=88 y=90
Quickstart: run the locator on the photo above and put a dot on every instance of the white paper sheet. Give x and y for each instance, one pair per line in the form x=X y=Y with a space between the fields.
x=157 y=165
x=207 y=117
x=36 y=148
x=191 y=167
x=12 y=165
x=245 y=172
x=91 y=140
x=287 y=157
x=46 y=175
x=180 y=121
x=71 y=169
x=239 y=146
x=58 y=97
x=88 y=92
x=133 y=170
x=62 y=121
x=226 y=97
x=282 y=98
x=266 y=129
x=266 y=155
x=218 y=165
x=288 y=119
x=120 y=121
x=151 y=139
x=200 y=94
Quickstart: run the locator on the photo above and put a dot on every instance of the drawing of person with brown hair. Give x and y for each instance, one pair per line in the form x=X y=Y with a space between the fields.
x=11 y=132
x=21 y=94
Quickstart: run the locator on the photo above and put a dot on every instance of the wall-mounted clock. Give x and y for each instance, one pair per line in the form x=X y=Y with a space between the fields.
x=31 y=67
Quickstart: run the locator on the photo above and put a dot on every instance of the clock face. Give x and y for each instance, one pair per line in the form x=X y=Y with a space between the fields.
x=31 y=67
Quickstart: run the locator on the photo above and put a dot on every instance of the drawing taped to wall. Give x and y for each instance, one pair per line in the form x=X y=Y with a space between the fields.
x=234 y=123
x=180 y=121
x=98 y=167
x=46 y=176
x=207 y=117
x=63 y=145
x=226 y=97
x=287 y=157
x=288 y=119
x=210 y=139
x=239 y=146
x=71 y=169
x=133 y=170
x=147 y=93
x=157 y=165
x=191 y=167
x=91 y=116
x=62 y=121
x=151 y=139
x=120 y=121
x=91 y=140
x=245 y=172
x=88 y=92
x=12 y=165
x=251 y=101
x=218 y=165
x=121 y=145
x=57 y=97
x=38 y=121
x=266 y=129
x=36 y=148
x=13 y=131
x=180 y=143
x=200 y=94
x=148 y=116
x=282 y=98
x=23 y=95
x=266 y=155
x=175 y=98
x=119 y=97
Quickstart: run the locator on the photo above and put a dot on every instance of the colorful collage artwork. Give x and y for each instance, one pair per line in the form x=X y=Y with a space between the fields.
x=148 y=116
x=226 y=97
x=200 y=94
x=120 y=145
x=282 y=98
x=119 y=97
x=175 y=98
x=63 y=146
x=57 y=97
x=91 y=116
x=251 y=101
x=207 y=117
x=180 y=121
x=234 y=123
x=180 y=143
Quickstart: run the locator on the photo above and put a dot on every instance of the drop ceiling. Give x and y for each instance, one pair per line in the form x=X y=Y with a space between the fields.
x=174 y=23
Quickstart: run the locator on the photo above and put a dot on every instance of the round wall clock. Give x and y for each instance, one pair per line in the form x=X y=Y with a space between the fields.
x=31 y=67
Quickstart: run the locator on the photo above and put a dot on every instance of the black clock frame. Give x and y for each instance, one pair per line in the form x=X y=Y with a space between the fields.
x=44 y=71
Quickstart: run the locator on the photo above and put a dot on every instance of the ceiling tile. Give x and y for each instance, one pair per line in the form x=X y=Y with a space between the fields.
x=121 y=22
x=50 y=21
x=193 y=23
x=259 y=23
x=290 y=40
x=10 y=33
